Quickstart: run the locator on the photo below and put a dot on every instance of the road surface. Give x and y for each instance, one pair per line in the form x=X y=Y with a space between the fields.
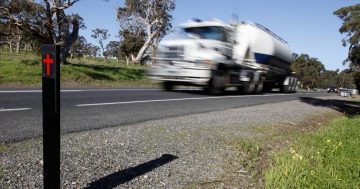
x=86 y=109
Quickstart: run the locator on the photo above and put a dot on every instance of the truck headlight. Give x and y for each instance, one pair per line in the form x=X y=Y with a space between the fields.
x=208 y=62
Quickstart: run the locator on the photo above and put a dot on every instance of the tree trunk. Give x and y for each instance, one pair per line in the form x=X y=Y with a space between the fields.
x=32 y=47
x=67 y=37
x=127 y=60
x=142 y=51
x=18 y=44
x=154 y=50
x=10 y=47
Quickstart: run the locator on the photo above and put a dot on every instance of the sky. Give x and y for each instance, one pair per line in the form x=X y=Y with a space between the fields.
x=308 y=26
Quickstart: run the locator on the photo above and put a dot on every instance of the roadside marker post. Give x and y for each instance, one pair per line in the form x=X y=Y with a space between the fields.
x=51 y=115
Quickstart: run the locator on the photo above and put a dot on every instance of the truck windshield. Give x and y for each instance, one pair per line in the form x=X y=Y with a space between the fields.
x=209 y=32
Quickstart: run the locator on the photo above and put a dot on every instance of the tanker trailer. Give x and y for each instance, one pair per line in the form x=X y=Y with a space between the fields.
x=216 y=55
x=265 y=59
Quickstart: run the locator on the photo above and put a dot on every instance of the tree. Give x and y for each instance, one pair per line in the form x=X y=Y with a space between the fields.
x=329 y=78
x=91 y=50
x=345 y=79
x=113 y=49
x=77 y=49
x=351 y=26
x=101 y=35
x=6 y=36
x=45 y=21
x=357 y=79
x=151 y=17
x=308 y=70
x=130 y=44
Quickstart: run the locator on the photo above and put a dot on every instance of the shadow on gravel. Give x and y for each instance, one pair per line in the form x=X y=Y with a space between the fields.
x=350 y=108
x=115 y=179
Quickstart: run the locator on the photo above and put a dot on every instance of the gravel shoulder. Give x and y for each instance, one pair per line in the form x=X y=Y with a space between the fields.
x=168 y=153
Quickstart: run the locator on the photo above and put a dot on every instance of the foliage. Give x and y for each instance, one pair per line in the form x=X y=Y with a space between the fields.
x=351 y=27
x=312 y=74
x=43 y=22
x=330 y=158
x=345 y=79
x=131 y=43
x=329 y=78
x=77 y=49
x=112 y=49
x=100 y=35
x=81 y=48
x=357 y=79
x=151 y=17
x=308 y=70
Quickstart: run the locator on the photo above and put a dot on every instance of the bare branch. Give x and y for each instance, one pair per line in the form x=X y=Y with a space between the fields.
x=66 y=5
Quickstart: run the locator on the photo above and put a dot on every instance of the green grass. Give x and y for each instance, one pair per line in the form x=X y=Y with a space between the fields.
x=328 y=158
x=2 y=149
x=24 y=69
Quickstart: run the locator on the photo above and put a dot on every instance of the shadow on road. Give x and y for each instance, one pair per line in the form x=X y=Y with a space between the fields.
x=200 y=91
x=231 y=92
x=350 y=108
x=115 y=179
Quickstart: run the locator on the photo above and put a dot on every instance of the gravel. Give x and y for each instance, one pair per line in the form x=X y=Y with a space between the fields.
x=168 y=153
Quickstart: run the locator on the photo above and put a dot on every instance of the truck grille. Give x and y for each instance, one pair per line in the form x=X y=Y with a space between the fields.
x=176 y=52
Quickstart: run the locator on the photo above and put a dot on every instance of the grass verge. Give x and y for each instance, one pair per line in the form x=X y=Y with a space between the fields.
x=327 y=158
x=2 y=149
x=24 y=69
x=320 y=152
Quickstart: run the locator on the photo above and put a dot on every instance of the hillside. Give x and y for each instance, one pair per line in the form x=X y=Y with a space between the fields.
x=24 y=70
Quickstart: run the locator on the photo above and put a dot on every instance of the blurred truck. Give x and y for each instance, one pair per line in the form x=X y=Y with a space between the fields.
x=216 y=55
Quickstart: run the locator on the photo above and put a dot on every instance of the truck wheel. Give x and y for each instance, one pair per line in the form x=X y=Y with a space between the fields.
x=260 y=85
x=168 y=86
x=288 y=88
x=249 y=87
x=294 y=86
x=216 y=84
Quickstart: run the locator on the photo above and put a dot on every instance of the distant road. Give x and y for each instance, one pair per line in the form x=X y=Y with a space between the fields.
x=86 y=109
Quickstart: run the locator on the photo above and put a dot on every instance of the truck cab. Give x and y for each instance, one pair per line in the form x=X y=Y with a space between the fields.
x=191 y=58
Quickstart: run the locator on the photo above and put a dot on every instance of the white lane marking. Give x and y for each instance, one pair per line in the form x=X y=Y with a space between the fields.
x=174 y=99
x=14 y=109
x=22 y=91
x=76 y=90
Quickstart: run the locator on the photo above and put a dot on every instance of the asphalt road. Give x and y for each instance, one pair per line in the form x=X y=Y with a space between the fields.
x=86 y=109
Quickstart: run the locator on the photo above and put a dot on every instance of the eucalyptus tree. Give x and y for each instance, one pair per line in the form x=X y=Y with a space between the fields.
x=44 y=21
x=351 y=27
x=101 y=35
x=151 y=17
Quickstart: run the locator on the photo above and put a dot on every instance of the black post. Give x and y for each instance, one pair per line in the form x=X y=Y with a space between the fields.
x=51 y=115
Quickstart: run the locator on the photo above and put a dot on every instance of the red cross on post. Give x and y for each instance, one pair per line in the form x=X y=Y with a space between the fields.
x=48 y=61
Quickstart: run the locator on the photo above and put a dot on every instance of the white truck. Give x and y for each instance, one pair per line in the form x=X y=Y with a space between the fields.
x=216 y=55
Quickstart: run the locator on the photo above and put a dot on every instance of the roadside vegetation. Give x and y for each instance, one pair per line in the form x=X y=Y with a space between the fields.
x=2 y=148
x=24 y=69
x=328 y=158
x=321 y=152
